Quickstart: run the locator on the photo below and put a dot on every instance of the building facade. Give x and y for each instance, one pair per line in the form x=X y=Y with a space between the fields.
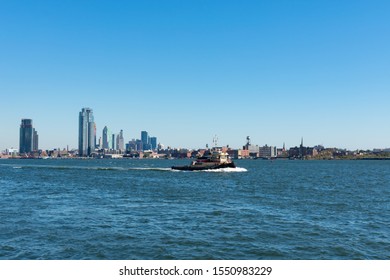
x=153 y=143
x=112 y=147
x=86 y=132
x=28 y=137
x=268 y=152
x=35 y=140
x=145 y=139
x=120 y=142
x=106 y=138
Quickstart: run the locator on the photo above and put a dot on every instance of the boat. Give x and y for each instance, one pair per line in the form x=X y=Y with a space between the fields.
x=215 y=159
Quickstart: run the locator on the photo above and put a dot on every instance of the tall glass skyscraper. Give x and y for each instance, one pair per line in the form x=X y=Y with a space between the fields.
x=35 y=140
x=120 y=142
x=112 y=147
x=106 y=138
x=144 y=137
x=28 y=139
x=86 y=132
x=145 y=140
x=153 y=143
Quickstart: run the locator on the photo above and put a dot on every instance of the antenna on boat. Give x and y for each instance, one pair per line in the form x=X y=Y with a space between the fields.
x=215 y=141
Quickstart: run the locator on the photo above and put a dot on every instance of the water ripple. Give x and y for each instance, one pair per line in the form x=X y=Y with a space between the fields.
x=139 y=209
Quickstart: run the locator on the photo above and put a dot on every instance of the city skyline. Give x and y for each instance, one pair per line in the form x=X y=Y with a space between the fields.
x=87 y=127
x=111 y=142
x=189 y=70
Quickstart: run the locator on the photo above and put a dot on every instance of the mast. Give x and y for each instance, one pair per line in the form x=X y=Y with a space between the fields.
x=215 y=141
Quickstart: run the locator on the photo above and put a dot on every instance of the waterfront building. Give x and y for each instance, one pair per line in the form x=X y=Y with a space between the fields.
x=100 y=144
x=112 y=146
x=106 y=138
x=11 y=152
x=87 y=133
x=139 y=145
x=94 y=135
x=144 y=138
x=252 y=150
x=268 y=152
x=153 y=143
x=302 y=152
x=120 y=142
x=131 y=146
x=28 y=137
x=35 y=140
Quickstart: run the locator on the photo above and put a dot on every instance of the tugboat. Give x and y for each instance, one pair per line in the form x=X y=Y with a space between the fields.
x=215 y=160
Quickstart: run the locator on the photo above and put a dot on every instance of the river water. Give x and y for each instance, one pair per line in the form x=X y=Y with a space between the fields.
x=140 y=209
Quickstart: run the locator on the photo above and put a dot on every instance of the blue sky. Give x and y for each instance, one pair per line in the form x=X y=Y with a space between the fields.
x=187 y=70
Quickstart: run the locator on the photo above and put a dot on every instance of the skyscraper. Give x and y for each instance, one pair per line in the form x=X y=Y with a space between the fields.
x=35 y=140
x=153 y=143
x=106 y=138
x=112 y=142
x=28 y=138
x=100 y=145
x=94 y=136
x=86 y=132
x=145 y=139
x=120 y=143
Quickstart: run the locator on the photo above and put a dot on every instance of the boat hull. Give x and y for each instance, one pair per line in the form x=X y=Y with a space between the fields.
x=201 y=167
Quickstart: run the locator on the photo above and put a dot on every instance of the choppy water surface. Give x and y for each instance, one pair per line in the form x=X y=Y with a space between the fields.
x=140 y=209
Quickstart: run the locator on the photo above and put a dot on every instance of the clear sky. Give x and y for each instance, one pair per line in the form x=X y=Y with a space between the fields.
x=188 y=70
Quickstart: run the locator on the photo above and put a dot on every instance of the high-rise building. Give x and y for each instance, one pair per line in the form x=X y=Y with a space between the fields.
x=120 y=143
x=86 y=132
x=106 y=138
x=113 y=142
x=28 y=138
x=144 y=138
x=139 y=145
x=100 y=144
x=94 y=134
x=153 y=143
x=35 y=140
x=131 y=146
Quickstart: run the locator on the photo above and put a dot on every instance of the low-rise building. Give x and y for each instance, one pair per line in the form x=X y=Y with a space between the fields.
x=268 y=152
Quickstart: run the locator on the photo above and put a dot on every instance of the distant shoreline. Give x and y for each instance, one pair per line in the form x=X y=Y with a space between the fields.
x=135 y=158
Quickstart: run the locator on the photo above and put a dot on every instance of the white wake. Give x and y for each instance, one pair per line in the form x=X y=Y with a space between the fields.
x=227 y=169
